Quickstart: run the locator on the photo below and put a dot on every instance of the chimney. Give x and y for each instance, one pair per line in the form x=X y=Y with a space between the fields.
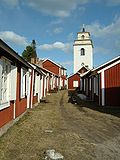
x=33 y=60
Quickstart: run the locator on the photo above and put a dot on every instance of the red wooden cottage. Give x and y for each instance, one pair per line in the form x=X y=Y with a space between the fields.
x=58 y=70
x=74 y=80
x=104 y=83
x=23 y=85
x=36 y=87
x=15 y=74
x=51 y=80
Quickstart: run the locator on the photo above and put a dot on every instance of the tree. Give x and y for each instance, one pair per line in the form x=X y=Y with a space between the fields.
x=30 y=52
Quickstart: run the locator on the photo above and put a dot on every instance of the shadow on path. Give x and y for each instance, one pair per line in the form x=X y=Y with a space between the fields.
x=74 y=99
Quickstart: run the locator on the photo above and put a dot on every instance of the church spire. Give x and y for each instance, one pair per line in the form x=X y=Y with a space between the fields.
x=83 y=28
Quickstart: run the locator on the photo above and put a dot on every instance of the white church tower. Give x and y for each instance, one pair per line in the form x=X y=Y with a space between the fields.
x=83 y=51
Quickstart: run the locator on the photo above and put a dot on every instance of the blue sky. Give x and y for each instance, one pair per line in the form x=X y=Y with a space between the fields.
x=54 y=25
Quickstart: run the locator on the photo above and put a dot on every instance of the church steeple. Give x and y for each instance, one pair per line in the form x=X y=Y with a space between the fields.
x=83 y=50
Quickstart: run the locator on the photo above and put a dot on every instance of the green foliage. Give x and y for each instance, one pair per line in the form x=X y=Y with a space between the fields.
x=29 y=53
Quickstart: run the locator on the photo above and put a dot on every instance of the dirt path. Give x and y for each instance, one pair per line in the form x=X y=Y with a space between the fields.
x=77 y=133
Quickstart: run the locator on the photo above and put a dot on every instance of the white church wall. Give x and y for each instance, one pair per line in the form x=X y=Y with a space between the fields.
x=86 y=59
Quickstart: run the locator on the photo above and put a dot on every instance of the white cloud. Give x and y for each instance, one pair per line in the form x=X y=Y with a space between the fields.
x=57 y=45
x=14 y=38
x=58 y=8
x=57 y=30
x=106 y=38
x=46 y=47
x=98 y=30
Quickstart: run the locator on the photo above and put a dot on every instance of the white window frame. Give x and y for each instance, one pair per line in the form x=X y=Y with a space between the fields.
x=27 y=83
x=4 y=102
x=54 y=82
x=57 y=82
x=75 y=84
x=23 y=82
x=37 y=78
x=13 y=82
x=51 y=81
x=36 y=83
x=59 y=71
x=87 y=86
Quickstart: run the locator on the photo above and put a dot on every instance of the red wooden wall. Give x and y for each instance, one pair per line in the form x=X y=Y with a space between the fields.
x=112 y=86
x=75 y=77
x=6 y=115
x=21 y=104
x=51 y=67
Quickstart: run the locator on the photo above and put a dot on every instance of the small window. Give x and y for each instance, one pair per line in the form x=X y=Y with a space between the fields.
x=82 y=51
x=5 y=68
x=75 y=83
x=82 y=36
x=36 y=84
x=5 y=81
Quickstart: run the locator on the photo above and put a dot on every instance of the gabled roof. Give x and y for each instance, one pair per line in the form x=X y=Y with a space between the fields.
x=45 y=70
x=54 y=63
x=84 y=74
x=12 y=53
x=73 y=74
x=62 y=67
x=83 y=67
x=88 y=70
x=107 y=63
x=102 y=67
x=36 y=68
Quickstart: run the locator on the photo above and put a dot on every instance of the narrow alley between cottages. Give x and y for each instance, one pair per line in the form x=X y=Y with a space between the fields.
x=75 y=131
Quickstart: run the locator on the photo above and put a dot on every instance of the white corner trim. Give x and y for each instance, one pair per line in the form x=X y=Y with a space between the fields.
x=103 y=88
x=14 y=110
x=31 y=104
x=90 y=84
x=44 y=87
